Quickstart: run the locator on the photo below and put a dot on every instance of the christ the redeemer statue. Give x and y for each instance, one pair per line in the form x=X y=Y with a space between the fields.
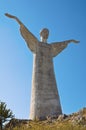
x=44 y=97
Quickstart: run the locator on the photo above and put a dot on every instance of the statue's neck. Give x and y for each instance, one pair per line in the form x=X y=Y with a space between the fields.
x=43 y=40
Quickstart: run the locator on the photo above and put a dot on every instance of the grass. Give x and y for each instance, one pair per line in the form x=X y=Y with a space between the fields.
x=45 y=125
x=76 y=121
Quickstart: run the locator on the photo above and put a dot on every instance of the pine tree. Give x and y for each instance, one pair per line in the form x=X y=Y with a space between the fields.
x=5 y=114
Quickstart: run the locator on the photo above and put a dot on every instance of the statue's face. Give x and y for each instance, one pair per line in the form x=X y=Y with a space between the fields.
x=44 y=33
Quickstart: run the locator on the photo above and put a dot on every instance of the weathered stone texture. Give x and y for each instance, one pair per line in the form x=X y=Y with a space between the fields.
x=45 y=98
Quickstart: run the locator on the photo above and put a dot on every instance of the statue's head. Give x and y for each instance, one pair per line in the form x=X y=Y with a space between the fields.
x=44 y=33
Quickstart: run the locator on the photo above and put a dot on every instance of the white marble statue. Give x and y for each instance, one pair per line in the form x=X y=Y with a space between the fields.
x=44 y=97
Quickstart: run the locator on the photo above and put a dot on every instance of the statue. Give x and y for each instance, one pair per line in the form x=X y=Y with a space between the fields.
x=45 y=99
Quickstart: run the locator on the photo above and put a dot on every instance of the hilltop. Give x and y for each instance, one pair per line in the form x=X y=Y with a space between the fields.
x=74 y=121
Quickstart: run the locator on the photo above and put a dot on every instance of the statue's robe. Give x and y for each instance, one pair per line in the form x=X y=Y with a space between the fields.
x=45 y=99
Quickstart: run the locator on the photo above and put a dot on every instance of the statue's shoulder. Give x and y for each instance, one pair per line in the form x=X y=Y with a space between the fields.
x=43 y=45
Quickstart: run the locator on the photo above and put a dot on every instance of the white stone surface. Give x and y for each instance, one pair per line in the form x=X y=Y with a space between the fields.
x=44 y=96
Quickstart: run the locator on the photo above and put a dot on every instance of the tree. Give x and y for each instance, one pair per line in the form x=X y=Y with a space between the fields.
x=5 y=114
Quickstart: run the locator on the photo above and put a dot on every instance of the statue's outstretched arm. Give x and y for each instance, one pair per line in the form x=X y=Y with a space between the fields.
x=30 y=39
x=57 y=47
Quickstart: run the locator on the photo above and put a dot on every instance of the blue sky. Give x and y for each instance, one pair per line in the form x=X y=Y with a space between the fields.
x=66 y=19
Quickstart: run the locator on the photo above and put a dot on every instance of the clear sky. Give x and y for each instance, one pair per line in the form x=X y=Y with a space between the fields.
x=66 y=19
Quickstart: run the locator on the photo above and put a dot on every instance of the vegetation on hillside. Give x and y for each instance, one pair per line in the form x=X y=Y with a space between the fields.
x=75 y=121
x=5 y=114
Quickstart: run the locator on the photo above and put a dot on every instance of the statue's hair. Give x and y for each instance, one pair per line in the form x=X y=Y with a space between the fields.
x=44 y=29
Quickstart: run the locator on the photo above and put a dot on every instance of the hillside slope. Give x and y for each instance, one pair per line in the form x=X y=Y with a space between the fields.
x=74 y=121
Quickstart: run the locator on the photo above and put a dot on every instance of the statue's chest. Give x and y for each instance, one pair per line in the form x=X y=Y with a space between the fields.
x=44 y=57
x=44 y=51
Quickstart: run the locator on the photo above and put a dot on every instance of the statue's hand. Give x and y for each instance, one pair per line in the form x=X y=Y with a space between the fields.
x=14 y=17
x=75 y=41
x=9 y=15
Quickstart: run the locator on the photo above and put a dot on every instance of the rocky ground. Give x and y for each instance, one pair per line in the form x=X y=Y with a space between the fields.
x=74 y=121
